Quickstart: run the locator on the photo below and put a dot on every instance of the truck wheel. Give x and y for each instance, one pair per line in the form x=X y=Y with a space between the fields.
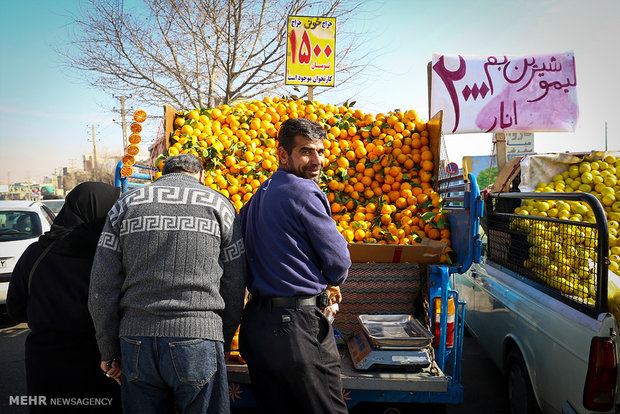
x=520 y=393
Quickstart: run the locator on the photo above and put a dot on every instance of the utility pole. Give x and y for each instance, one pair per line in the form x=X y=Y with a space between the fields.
x=94 y=153
x=123 y=121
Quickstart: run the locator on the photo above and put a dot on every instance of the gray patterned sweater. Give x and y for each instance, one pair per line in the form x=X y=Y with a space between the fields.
x=170 y=263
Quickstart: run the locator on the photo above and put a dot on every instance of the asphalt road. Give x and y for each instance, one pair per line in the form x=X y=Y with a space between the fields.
x=12 y=374
x=485 y=390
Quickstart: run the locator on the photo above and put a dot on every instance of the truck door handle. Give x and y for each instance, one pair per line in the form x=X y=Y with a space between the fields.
x=474 y=274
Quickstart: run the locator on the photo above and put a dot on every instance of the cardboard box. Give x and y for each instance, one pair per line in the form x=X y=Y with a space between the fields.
x=429 y=251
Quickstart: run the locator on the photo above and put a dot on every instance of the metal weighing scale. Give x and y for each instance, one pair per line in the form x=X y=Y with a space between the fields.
x=390 y=342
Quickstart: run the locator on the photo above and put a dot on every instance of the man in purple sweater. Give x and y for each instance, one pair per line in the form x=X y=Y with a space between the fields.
x=294 y=253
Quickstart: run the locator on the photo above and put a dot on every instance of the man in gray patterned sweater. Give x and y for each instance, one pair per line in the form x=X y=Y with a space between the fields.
x=168 y=279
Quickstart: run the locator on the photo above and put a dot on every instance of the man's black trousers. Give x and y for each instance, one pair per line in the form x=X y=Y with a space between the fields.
x=292 y=357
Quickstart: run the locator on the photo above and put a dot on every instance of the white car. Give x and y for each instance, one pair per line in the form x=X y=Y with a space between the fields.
x=21 y=223
x=55 y=204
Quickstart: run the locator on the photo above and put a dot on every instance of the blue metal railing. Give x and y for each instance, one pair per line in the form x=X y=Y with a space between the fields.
x=127 y=182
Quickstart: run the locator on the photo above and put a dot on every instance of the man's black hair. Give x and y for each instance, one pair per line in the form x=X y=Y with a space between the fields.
x=299 y=126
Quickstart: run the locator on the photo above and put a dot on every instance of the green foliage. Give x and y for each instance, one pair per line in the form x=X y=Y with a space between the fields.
x=486 y=177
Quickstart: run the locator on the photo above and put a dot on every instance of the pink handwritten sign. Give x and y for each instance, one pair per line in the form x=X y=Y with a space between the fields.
x=505 y=94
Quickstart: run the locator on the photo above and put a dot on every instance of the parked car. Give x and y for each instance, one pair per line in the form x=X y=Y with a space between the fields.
x=21 y=223
x=54 y=204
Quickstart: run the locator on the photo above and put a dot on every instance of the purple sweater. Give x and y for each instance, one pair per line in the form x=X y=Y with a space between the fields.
x=292 y=244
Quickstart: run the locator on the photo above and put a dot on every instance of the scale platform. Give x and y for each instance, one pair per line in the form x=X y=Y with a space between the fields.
x=365 y=357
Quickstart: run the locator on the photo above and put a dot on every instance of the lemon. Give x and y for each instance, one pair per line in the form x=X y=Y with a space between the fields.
x=599 y=187
x=584 y=167
x=579 y=208
x=535 y=240
x=543 y=206
x=575 y=184
x=594 y=165
x=610 y=180
x=555 y=247
x=609 y=200
x=552 y=270
x=573 y=171
x=586 y=188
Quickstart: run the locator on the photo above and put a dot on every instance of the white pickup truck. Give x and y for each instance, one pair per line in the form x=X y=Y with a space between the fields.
x=555 y=341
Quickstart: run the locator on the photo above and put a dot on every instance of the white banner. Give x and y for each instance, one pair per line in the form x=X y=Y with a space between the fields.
x=504 y=93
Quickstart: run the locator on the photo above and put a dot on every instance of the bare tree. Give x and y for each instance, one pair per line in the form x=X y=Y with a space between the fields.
x=197 y=53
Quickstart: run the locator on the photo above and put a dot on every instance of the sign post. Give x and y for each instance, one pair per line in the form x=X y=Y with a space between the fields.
x=310 y=52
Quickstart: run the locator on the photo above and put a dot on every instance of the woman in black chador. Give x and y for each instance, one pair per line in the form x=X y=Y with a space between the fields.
x=49 y=290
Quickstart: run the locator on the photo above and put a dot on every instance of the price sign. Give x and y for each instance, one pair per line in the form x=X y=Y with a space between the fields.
x=452 y=168
x=310 y=51
x=505 y=93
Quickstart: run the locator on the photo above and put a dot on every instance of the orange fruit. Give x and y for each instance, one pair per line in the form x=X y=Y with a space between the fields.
x=129 y=160
x=135 y=138
x=133 y=149
x=136 y=128
x=126 y=171
x=139 y=116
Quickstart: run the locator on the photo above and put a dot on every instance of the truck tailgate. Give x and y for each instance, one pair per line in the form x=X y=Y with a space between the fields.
x=430 y=379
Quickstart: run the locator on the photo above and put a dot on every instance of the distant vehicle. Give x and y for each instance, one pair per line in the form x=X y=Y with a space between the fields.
x=21 y=223
x=54 y=205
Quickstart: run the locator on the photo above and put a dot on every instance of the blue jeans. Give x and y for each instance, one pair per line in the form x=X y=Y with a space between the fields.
x=161 y=372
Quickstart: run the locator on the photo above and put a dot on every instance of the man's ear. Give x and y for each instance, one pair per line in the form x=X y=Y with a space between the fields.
x=201 y=176
x=283 y=157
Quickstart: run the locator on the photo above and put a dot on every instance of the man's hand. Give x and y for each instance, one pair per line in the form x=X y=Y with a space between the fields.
x=112 y=369
x=333 y=293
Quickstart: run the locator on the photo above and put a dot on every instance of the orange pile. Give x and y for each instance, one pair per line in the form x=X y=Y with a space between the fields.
x=378 y=174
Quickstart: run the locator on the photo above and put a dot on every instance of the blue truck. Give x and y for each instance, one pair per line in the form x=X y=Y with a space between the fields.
x=403 y=284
